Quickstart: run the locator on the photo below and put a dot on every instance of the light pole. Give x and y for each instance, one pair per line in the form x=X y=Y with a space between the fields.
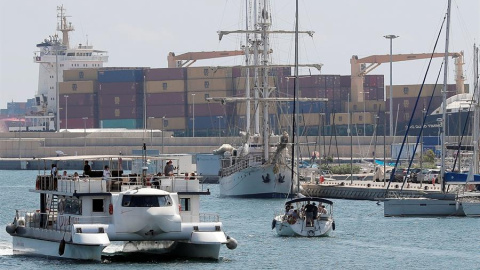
x=85 y=131
x=151 y=130
x=391 y=37
x=66 y=112
x=163 y=127
x=193 y=115
x=219 y=128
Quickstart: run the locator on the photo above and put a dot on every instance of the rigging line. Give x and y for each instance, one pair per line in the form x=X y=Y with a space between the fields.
x=392 y=175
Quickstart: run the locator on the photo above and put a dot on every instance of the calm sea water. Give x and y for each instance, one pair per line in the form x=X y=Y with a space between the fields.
x=363 y=239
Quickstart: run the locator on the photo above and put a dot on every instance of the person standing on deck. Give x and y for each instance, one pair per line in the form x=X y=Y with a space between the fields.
x=86 y=169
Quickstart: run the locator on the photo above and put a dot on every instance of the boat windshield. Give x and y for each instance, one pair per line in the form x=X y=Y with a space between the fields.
x=146 y=201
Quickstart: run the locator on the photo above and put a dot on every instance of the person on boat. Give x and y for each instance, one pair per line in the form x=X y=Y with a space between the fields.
x=309 y=213
x=86 y=169
x=75 y=176
x=53 y=171
x=64 y=175
x=169 y=168
x=287 y=208
x=107 y=177
x=156 y=180
x=295 y=214
x=321 y=209
x=315 y=211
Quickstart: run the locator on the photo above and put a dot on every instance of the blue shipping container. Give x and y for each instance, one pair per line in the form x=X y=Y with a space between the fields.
x=119 y=123
x=206 y=122
x=121 y=75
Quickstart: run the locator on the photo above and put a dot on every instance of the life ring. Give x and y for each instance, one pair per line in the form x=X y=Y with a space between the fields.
x=110 y=209
x=311 y=233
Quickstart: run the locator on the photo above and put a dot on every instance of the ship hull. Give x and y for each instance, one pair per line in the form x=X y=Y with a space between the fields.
x=422 y=207
x=258 y=182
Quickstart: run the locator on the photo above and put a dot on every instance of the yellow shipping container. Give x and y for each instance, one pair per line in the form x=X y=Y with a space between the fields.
x=404 y=91
x=306 y=119
x=209 y=84
x=240 y=82
x=78 y=87
x=155 y=87
x=87 y=74
x=368 y=105
x=208 y=72
x=172 y=123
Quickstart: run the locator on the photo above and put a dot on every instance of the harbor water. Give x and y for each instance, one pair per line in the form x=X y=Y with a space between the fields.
x=363 y=238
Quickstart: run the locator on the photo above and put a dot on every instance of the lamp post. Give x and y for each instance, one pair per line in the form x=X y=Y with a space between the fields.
x=151 y=130
x=391 y=37
x=66 y=112
x=219 y=128
x=85 y=131
x=193 y=115
x=163 y=127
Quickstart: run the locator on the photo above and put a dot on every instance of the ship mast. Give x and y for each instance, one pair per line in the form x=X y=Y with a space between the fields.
x=63 y=26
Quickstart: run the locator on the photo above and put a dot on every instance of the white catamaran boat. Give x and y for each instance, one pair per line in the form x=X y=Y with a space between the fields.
x=81 y=217
x=260 y=167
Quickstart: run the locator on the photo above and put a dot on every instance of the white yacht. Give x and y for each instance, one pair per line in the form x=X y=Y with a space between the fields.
x=80 y=217
x=294 y=221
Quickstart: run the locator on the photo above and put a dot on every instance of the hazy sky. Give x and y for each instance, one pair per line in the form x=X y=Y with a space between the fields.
x=141 y=33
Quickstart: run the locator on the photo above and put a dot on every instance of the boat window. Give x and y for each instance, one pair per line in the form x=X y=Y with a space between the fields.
x=97 y=205
x=73 y=206
x=185 y=204
x=146 y=201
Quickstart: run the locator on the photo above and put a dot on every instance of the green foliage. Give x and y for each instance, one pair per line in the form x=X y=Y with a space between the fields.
x=429 y=156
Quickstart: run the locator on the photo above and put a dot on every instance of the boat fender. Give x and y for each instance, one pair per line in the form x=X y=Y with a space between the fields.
x=11 y=228
x=368 y=185
x=396 y=186
x=231 y=243
x=61 y=247
x=311 y=233
x=333 y=225
x=110 y=209
x=274 y=223
x=426 y=187
x=342 y=184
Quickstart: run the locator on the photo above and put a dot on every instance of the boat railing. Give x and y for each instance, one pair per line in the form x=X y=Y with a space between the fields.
x=57 y=222
x=235 y=164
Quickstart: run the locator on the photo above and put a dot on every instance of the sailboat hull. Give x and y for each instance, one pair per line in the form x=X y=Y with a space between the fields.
x=258 y=182
x=407 y=207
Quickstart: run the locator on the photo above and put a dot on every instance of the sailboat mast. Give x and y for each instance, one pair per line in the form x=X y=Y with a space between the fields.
x=296 y=105
x=444 y=96
x=476 y=118
x=255 y=62
x=247 y=62
x=265 y=25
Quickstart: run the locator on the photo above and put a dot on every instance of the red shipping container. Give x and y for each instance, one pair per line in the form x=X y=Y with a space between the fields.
x=345 y=81
x=130 y=100
x=175 y=98
x=120 y=88
x=163 y=74
x=79 y=123
x=75 y=111
x=210 y=109
x=167 y=111
x=78 y=100
x=120 y=112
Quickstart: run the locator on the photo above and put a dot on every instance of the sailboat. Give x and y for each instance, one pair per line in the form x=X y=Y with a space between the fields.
x=302 y=217
x=442 y=204
x=470 y=199
x=259 y=168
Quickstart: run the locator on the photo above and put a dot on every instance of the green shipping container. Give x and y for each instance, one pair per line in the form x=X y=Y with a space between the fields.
x=120 y=123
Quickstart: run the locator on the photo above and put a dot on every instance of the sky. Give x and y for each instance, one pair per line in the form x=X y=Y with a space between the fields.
x=142 y=33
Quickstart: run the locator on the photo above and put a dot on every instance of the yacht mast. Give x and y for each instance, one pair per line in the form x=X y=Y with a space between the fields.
x=247 y=63
x=265 y=88
x=296 y=92
x=476 y=118
x=444 y=96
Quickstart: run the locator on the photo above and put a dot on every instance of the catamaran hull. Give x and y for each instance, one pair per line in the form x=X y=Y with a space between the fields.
x=51 y=248
x=258 y=182
x=405 y=207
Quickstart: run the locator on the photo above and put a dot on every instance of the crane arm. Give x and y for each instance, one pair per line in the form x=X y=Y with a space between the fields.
x=189 y=58
x=400 y=57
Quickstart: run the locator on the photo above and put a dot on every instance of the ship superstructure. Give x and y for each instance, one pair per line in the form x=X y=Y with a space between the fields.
x=54 y=56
